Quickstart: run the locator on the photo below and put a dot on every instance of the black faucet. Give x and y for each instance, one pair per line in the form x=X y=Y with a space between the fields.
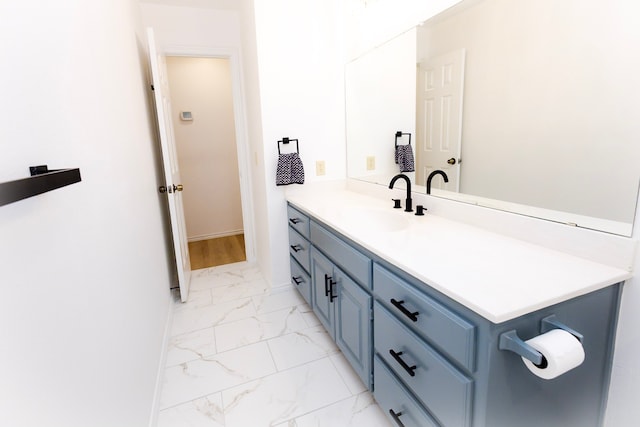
x=431 y=175
x=408 y=207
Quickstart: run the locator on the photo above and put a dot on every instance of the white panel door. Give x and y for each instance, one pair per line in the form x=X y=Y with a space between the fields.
x=172 y=187
x=439 y=119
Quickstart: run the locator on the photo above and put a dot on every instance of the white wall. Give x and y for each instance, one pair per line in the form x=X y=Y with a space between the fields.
x=83 y=268
x=375 y=110
x=301 y=82
x=369 y=24
x=176 y=26
x=548 y=93
x=625 y=382
x=254 y=133
x=206 y=145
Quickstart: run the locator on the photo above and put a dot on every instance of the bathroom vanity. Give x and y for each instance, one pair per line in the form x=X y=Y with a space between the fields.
x=418 y=306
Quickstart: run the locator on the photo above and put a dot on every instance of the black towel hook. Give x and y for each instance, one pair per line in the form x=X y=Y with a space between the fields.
x=286 y=140
x=399 y=135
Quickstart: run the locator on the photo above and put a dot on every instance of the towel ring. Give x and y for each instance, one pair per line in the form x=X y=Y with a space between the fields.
x=399 y=135
x=287 y=141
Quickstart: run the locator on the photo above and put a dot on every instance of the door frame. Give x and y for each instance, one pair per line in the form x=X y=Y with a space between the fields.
x=242 y=140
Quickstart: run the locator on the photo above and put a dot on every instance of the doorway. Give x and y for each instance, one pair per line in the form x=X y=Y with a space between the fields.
x=207 y=152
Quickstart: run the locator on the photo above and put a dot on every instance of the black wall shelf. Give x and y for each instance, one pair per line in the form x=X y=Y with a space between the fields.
x=41 y=181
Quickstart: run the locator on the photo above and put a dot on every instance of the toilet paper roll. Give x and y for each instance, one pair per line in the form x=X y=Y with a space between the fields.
x=562 y=351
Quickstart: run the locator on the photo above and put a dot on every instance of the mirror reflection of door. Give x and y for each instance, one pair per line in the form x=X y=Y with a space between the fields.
x=204 y=125
x=439 y=118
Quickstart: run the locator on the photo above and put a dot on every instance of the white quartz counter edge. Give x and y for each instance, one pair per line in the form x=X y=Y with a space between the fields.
x=498 y=277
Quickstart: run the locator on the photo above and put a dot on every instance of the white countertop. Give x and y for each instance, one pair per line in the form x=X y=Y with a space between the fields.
x=496 y=276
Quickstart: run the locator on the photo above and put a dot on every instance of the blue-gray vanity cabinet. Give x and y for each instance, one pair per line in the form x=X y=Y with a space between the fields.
x=335 y=279
x=461 y=376
x=342 y=254
x=298 y=221
x=423 y=344
x=344 y=309
x=299 y=251
x=397 y=403
x=425 y=316
x=299 y=248
x=301 y=279
x=322 y=278
x=435 y=362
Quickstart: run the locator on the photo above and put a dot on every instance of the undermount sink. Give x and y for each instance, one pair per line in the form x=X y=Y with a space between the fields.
x=374 y=220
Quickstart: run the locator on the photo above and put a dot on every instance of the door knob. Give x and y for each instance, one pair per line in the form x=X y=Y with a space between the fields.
x=162 y=189
x=178 y=187
x=452 y=161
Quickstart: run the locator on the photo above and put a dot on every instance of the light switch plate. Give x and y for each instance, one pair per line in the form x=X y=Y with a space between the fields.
x=371 y=163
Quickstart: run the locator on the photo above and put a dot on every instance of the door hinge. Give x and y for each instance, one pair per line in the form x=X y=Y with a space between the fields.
x=153 y=88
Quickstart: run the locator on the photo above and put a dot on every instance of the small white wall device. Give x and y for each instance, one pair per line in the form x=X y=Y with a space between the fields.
x=186 y=115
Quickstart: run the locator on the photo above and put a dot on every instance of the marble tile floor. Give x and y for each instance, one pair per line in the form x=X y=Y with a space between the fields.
x=244 y=355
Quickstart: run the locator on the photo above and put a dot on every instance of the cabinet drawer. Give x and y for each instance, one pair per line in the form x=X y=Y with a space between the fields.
x=444 y=329
x=393 y=399
x=298 y=220
x=301 y=280
x=444 y=390
x=344 y=255
x=299 y=248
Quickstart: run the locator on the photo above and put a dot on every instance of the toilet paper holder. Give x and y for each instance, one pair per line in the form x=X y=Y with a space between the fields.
x=512 y=342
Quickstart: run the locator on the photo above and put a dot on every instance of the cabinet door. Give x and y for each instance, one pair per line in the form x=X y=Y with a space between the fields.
x=321 y=281
x=353 y=325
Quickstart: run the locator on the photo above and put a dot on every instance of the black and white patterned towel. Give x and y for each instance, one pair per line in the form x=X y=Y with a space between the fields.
x=290 y=169
x=404 y=158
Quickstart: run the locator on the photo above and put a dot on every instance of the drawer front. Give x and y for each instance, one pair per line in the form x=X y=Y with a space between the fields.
x=341 y=253
x=396 y=403
x=443 y=390
x=298 y=221
x=444 y=329
x=299 y=248
x=301 y=280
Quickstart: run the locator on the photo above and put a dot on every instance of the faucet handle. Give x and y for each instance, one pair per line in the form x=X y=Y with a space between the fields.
x=420 y=210
x=396 y=203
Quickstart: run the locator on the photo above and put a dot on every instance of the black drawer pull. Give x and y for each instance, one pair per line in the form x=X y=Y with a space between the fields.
x=398 y=304
x=331 y=294
x=402 y=363
x=396 y=417
x=297 y=280
x=297 y=248
x=328 y=288
x=295 y=220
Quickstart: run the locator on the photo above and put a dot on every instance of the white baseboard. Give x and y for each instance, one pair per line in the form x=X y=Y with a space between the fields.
x=214 y=235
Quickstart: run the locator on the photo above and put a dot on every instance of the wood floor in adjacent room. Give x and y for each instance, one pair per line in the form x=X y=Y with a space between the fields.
x=219 y=251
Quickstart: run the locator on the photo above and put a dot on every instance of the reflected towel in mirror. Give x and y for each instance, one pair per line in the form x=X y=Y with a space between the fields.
x=404 y=158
